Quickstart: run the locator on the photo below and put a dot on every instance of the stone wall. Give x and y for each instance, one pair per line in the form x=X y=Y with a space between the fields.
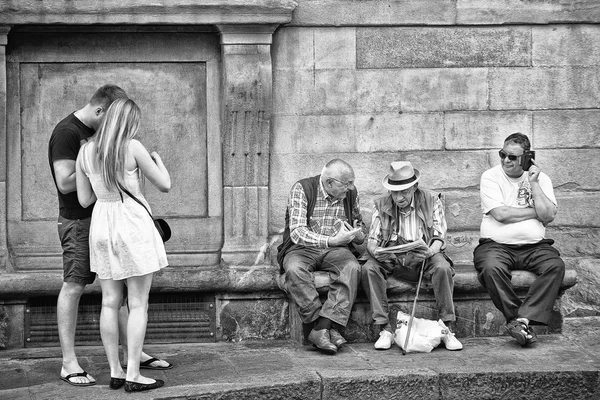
x=442 y=83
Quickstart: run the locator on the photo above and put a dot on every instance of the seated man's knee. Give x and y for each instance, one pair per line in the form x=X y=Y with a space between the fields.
x=557 y=266
x=294 y=268
x=370 y=268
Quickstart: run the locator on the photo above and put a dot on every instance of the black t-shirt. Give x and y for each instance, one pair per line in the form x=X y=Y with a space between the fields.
x=64 y=144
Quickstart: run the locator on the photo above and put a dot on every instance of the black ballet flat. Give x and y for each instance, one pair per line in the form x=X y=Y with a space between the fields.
x=138 y=387
x=116 y=383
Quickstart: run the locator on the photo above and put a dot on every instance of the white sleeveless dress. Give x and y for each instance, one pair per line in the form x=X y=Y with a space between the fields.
x=123 y=239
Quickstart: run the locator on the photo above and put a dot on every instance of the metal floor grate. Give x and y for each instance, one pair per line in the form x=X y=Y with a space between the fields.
x=172 y=318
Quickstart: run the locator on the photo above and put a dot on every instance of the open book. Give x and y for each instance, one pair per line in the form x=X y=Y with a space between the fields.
x=404 y=248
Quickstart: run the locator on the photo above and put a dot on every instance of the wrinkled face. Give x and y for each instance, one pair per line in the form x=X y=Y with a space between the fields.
x=403 y=198
x=511 y=168
x=339 y=186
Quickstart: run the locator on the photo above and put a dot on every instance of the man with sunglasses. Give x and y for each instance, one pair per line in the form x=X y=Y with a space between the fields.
x=517 y=206
x=322 y=224
x=407 y=214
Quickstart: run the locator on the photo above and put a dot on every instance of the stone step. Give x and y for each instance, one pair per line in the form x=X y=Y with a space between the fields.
x=558 y=366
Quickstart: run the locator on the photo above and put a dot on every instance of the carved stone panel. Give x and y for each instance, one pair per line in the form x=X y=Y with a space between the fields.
x=53 y=75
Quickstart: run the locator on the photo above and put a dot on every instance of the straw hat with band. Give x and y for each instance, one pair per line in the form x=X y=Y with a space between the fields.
x=402 y=175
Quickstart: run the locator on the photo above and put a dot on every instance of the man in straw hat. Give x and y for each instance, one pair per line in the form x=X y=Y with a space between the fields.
x=406 y=214
x=323 y=222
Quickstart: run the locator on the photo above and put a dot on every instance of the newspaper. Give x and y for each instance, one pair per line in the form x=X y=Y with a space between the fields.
x=404 y=248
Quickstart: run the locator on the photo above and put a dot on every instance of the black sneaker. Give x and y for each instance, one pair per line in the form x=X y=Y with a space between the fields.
x=521 y=331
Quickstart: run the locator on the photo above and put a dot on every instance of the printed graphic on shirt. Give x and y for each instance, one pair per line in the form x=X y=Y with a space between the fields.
x=524 y=197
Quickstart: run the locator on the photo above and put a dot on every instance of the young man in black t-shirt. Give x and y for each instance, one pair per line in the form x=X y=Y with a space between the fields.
x=73 y=228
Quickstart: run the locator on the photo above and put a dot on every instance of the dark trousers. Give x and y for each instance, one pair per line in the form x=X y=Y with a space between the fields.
x=494 y=263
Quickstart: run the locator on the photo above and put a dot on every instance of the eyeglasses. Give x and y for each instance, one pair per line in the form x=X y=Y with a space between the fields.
x=511 y=157
x=346 y=185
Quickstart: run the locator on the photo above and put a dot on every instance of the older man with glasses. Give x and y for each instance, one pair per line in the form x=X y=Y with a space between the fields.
x=517 y=201
x=407 y=214
x=322 y=224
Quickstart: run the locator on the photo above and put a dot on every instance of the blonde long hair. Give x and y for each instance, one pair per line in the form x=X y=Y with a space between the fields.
x=121 y=124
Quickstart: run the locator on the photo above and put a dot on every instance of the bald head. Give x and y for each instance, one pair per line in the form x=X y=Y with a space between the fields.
x=337 y=178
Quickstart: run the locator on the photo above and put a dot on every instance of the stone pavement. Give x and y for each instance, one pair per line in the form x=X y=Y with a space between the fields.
x=565 y=366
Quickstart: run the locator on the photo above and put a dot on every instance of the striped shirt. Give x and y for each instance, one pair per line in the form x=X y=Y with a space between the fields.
x=411 y=227
x=325 y=218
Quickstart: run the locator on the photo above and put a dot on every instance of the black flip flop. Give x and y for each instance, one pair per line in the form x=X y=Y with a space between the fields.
x=146 y=364
x=83 y=374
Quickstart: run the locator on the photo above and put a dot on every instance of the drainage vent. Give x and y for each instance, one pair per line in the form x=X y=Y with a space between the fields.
x=172 y=318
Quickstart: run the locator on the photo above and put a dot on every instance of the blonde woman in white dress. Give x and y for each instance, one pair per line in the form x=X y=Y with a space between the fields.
x=125 y=247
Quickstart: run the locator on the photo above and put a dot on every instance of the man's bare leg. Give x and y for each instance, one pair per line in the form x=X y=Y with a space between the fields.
x=66 y=310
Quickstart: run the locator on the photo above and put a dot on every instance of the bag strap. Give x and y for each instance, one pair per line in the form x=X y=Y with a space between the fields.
x=128 y=193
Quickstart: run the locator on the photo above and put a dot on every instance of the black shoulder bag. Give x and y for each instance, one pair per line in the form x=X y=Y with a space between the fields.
x=161 y=225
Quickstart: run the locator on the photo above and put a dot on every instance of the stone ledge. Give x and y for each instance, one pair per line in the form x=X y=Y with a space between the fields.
x=144 y=12
x=174 y=280
x=465 y=280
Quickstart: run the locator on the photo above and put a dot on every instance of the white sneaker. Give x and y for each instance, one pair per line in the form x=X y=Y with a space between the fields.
x=385 y=340
x=449 y=339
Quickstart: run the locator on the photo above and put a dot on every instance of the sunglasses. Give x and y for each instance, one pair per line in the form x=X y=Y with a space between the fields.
x=511 y=157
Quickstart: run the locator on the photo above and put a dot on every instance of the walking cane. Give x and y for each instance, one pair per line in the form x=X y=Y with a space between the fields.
x=412 y=314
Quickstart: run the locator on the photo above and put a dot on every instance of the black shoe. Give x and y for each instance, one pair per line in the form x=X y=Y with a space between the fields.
x=322 y=341
x=138 y=387
x=116 y=383
x=336 y=338
x=522 y=332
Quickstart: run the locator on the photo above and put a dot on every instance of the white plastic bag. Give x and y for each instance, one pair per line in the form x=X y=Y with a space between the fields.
x=425 y=334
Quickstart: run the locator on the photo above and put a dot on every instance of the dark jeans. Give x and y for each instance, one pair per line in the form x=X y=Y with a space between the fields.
x=343 y=268
x=494 y=263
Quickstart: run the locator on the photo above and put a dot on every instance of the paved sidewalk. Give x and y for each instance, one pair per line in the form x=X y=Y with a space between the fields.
x=565 y=366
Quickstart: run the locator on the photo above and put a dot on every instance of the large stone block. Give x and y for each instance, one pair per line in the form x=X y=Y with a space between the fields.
x=314 y=48
x=314 y=133
x=574 y=209
x=584 y=298
x=445 y=89
x=532 y=11
x=357 y=133
x=335 y=48
x=394 y=47
x=566 y=45
x=483 y=129
x=571 y=169
x=342 y=91
x=399 y=132
x=463 y=209
x=566 y=128
x=379 y=12
x=575 y=242
x=293 y=91
x=252 y=316
x=544 y=88
x=293 y=48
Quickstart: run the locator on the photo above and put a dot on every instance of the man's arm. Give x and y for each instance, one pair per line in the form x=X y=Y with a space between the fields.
x=439 y=226
x=300 y=233
x=492 y=201
x=85 y=193
x=544 y=207
x=357 y=222
x=509 y=215
x=375 y=239
x=64 y=171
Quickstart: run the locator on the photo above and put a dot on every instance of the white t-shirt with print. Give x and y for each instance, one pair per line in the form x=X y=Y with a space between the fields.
x=498 y=189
